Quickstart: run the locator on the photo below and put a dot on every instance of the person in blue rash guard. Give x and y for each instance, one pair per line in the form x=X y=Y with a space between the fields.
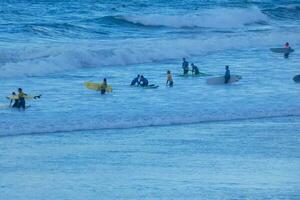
x=185 y=66
x=135 y=81
x=227 y=74
x=143 y=81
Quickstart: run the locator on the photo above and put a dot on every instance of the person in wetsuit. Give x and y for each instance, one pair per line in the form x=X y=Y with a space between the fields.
x=227 y=74
x=21 y=97
x=14 y=103
x=143 y=81
x=185 y=66
x=169 y=79
x=195 y=69
x=103 y=86
x=287 y=46
x=135 y=81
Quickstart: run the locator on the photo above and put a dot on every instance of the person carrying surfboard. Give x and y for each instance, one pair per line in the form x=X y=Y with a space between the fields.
x=227 y=74
x=195 y=69
x=135 y=81
x=21 y=97
x=169 y=79
x=143 y=81
x=103 y=86
x=185 y=66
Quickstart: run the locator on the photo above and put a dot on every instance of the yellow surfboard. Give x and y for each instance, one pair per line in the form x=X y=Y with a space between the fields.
x=96 y=86
x=15 y=97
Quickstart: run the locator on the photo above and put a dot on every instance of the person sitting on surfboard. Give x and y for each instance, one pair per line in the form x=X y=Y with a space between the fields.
x=21 y=97
x=103 y=86
x=185 y=66
x=195 y=69
x=136 y=80
x=227 y=74
x=169 y=79
x=143 y=81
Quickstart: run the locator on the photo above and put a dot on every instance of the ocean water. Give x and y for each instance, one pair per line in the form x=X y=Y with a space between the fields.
x=52 y=47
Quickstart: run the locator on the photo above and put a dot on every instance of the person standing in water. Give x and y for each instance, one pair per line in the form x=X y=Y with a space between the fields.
x=169 y=79
x=103 y=86
x=185 y=66
x=227 y=74
x=14 y=101
x=21 y=97
x=195 y=69
x=287 y=46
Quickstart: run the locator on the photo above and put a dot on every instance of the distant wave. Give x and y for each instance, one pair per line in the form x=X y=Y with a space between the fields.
x=285 y=12
x=214 y=18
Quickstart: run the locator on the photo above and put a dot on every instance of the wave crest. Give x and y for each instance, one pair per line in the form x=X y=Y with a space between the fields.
x=215 y=18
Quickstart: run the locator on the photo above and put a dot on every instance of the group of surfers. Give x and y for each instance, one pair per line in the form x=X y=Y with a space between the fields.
x=19 y=99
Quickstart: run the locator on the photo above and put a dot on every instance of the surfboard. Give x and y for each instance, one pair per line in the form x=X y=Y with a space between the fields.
x=15 y=97
x=193 y=75
x=282 y=50
x=221 y=80
x=4 y=107
x=97 y=86
x=297 y=78
x=152 y=86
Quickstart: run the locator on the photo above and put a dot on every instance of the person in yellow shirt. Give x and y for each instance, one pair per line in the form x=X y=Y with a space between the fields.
x=169 y=79
x=21 y=97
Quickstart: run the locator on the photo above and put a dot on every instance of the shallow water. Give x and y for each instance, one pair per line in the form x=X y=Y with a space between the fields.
x=244 y=159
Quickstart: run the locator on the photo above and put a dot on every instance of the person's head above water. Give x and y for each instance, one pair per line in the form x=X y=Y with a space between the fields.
x=104 y=80
x=20 y=90
x=287 y=44
x=13 y=93
x=192 y=64
x=183 y=59
x=226 y=67
x=168 y=72
x=138 y=75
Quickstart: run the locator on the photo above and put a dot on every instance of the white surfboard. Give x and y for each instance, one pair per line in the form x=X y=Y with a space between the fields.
x=282 y=50
x=221 y=80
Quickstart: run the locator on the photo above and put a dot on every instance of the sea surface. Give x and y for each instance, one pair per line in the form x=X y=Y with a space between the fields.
x=52 y=47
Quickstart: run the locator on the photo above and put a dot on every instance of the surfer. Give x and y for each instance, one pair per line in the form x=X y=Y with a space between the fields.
x=195 y=69
x=287 y=46
x=103 y=86
x=185 y=66
x=143 y=81
x=169 y=79
x=136 y=80
x=227 y=74
x=14 y=103
x=21 y=99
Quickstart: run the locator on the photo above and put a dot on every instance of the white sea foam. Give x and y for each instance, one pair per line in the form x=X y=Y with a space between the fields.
x=42 y=60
